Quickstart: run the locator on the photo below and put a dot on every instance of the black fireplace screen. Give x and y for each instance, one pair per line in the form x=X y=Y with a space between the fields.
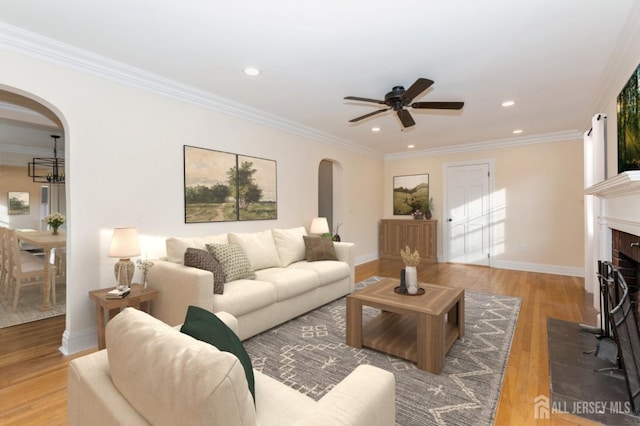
x=623 y=323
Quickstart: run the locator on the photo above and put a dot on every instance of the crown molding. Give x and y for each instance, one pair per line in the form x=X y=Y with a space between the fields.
x=44 y=48
x=47 y=49
x=486 y=145
x=31 y=151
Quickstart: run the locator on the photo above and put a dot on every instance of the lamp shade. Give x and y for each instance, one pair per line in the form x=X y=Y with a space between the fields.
x=319 y=225
x=124 y=243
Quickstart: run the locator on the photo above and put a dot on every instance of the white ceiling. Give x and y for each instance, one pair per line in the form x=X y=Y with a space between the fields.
x=549 y=56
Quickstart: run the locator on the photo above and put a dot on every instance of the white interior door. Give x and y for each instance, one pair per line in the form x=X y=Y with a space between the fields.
x=467 y=213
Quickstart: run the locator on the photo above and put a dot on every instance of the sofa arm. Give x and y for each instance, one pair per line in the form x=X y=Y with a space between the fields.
x=92 y=397
x=178 y=287
x=366 y=397
x=345 y=252
x=229 y=320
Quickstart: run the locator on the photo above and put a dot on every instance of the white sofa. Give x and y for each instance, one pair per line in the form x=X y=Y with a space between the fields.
x=286 y=284
x=152 y=373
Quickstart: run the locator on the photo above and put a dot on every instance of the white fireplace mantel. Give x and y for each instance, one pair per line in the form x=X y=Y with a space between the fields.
x=626 y=183
x=620 y=207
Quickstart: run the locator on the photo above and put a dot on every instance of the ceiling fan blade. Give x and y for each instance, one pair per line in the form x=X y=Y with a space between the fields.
x=405 y=118
x=416 y=88
x=355 y=98
x=437 y=105
x=362 y=117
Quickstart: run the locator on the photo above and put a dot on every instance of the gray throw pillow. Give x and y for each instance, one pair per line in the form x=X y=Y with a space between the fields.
x=202 y=259
x=319 y=248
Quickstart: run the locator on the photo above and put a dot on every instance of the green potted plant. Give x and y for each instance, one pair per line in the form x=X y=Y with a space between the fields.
x=427 y=206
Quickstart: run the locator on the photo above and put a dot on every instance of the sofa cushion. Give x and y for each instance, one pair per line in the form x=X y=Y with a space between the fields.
x=244 y=296
x=289 y=244
x=319 y=248
x=289 y=282
x=202 y=259
x=205 y=326
x=177 y=246
x=259 y=248
x=329 y=271
x=233 y=260
x=172 y=378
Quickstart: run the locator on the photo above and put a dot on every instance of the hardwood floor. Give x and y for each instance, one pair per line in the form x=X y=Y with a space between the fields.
x=33 y=373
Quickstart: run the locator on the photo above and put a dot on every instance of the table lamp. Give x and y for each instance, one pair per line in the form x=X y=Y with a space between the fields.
x=124 y=245
x=319 y=226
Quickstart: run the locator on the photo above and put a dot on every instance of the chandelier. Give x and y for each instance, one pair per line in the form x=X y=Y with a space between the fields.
x=50 y=170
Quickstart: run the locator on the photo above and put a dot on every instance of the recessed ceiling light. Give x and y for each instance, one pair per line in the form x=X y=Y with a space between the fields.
x=251 y=71
x=508 y=103
x=517 y=132
x=375 y=129
x=411 y=146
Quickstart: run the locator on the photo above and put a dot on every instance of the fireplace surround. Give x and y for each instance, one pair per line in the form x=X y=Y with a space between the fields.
x=612 y=207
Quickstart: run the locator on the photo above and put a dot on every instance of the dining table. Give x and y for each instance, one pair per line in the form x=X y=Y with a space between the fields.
x=48 y=241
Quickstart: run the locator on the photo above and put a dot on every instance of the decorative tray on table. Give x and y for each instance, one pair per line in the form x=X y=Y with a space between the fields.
x=420 y=291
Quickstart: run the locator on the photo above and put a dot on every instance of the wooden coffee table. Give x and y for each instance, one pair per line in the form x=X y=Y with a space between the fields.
x=420 y=328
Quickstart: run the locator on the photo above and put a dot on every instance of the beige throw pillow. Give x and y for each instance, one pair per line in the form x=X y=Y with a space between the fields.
x=290 y=244
x=259 y=248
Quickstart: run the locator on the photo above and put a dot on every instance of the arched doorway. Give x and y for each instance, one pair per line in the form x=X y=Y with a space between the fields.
x=26 y=126
x=330 y=192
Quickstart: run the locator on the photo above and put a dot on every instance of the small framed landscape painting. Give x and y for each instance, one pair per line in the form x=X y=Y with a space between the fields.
x=257 y=188
x=19 y=203
x=209 y=178
x=410 y=193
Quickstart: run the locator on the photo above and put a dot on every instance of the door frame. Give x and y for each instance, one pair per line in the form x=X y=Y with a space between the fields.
x=445 y=204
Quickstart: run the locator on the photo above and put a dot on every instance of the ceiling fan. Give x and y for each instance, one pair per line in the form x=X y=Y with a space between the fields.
x=398 y=98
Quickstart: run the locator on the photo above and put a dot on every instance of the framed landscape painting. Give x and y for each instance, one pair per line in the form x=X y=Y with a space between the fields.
x=19 y=203
x=221 y=186
x=257 y=188
x=410 y=193
x=208 y=185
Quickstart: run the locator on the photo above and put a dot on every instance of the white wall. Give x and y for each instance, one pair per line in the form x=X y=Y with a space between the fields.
x=124 y=156
x=537 y=202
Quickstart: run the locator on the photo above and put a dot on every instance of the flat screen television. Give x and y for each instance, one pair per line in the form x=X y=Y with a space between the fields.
x=629 y=124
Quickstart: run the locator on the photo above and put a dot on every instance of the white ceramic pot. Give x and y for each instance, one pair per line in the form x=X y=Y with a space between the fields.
x=411 y=276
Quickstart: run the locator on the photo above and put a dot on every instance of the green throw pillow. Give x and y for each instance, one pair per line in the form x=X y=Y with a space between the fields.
x=207 y=327
x=233 y=260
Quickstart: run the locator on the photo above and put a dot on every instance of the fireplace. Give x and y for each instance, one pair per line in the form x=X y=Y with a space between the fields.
x=625 y=254
x=612 y=225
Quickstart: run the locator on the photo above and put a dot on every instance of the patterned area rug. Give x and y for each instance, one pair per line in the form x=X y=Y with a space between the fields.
x=29 y=306
x=308 y=353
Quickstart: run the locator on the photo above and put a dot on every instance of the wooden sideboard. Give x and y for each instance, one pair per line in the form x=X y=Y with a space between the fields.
x=421 y=235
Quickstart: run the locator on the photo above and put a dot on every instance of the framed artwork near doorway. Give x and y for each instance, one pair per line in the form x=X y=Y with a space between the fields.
x=19 y=203
x=410 y=193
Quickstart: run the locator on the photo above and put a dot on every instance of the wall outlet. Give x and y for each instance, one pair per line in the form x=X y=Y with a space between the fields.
x=523 y=248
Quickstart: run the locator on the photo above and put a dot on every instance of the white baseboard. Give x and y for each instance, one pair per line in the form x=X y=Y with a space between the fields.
x=366 y=258
x=506 y=264
x=537 y=267
x=80 y=341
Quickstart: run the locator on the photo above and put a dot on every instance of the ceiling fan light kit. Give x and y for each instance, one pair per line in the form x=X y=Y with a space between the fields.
x=398 y=99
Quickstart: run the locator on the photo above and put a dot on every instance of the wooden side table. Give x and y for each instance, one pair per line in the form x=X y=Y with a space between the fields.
x=139 y=298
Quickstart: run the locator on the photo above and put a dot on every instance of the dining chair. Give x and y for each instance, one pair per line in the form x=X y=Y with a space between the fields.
x=26 y=270
x=4 y=262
